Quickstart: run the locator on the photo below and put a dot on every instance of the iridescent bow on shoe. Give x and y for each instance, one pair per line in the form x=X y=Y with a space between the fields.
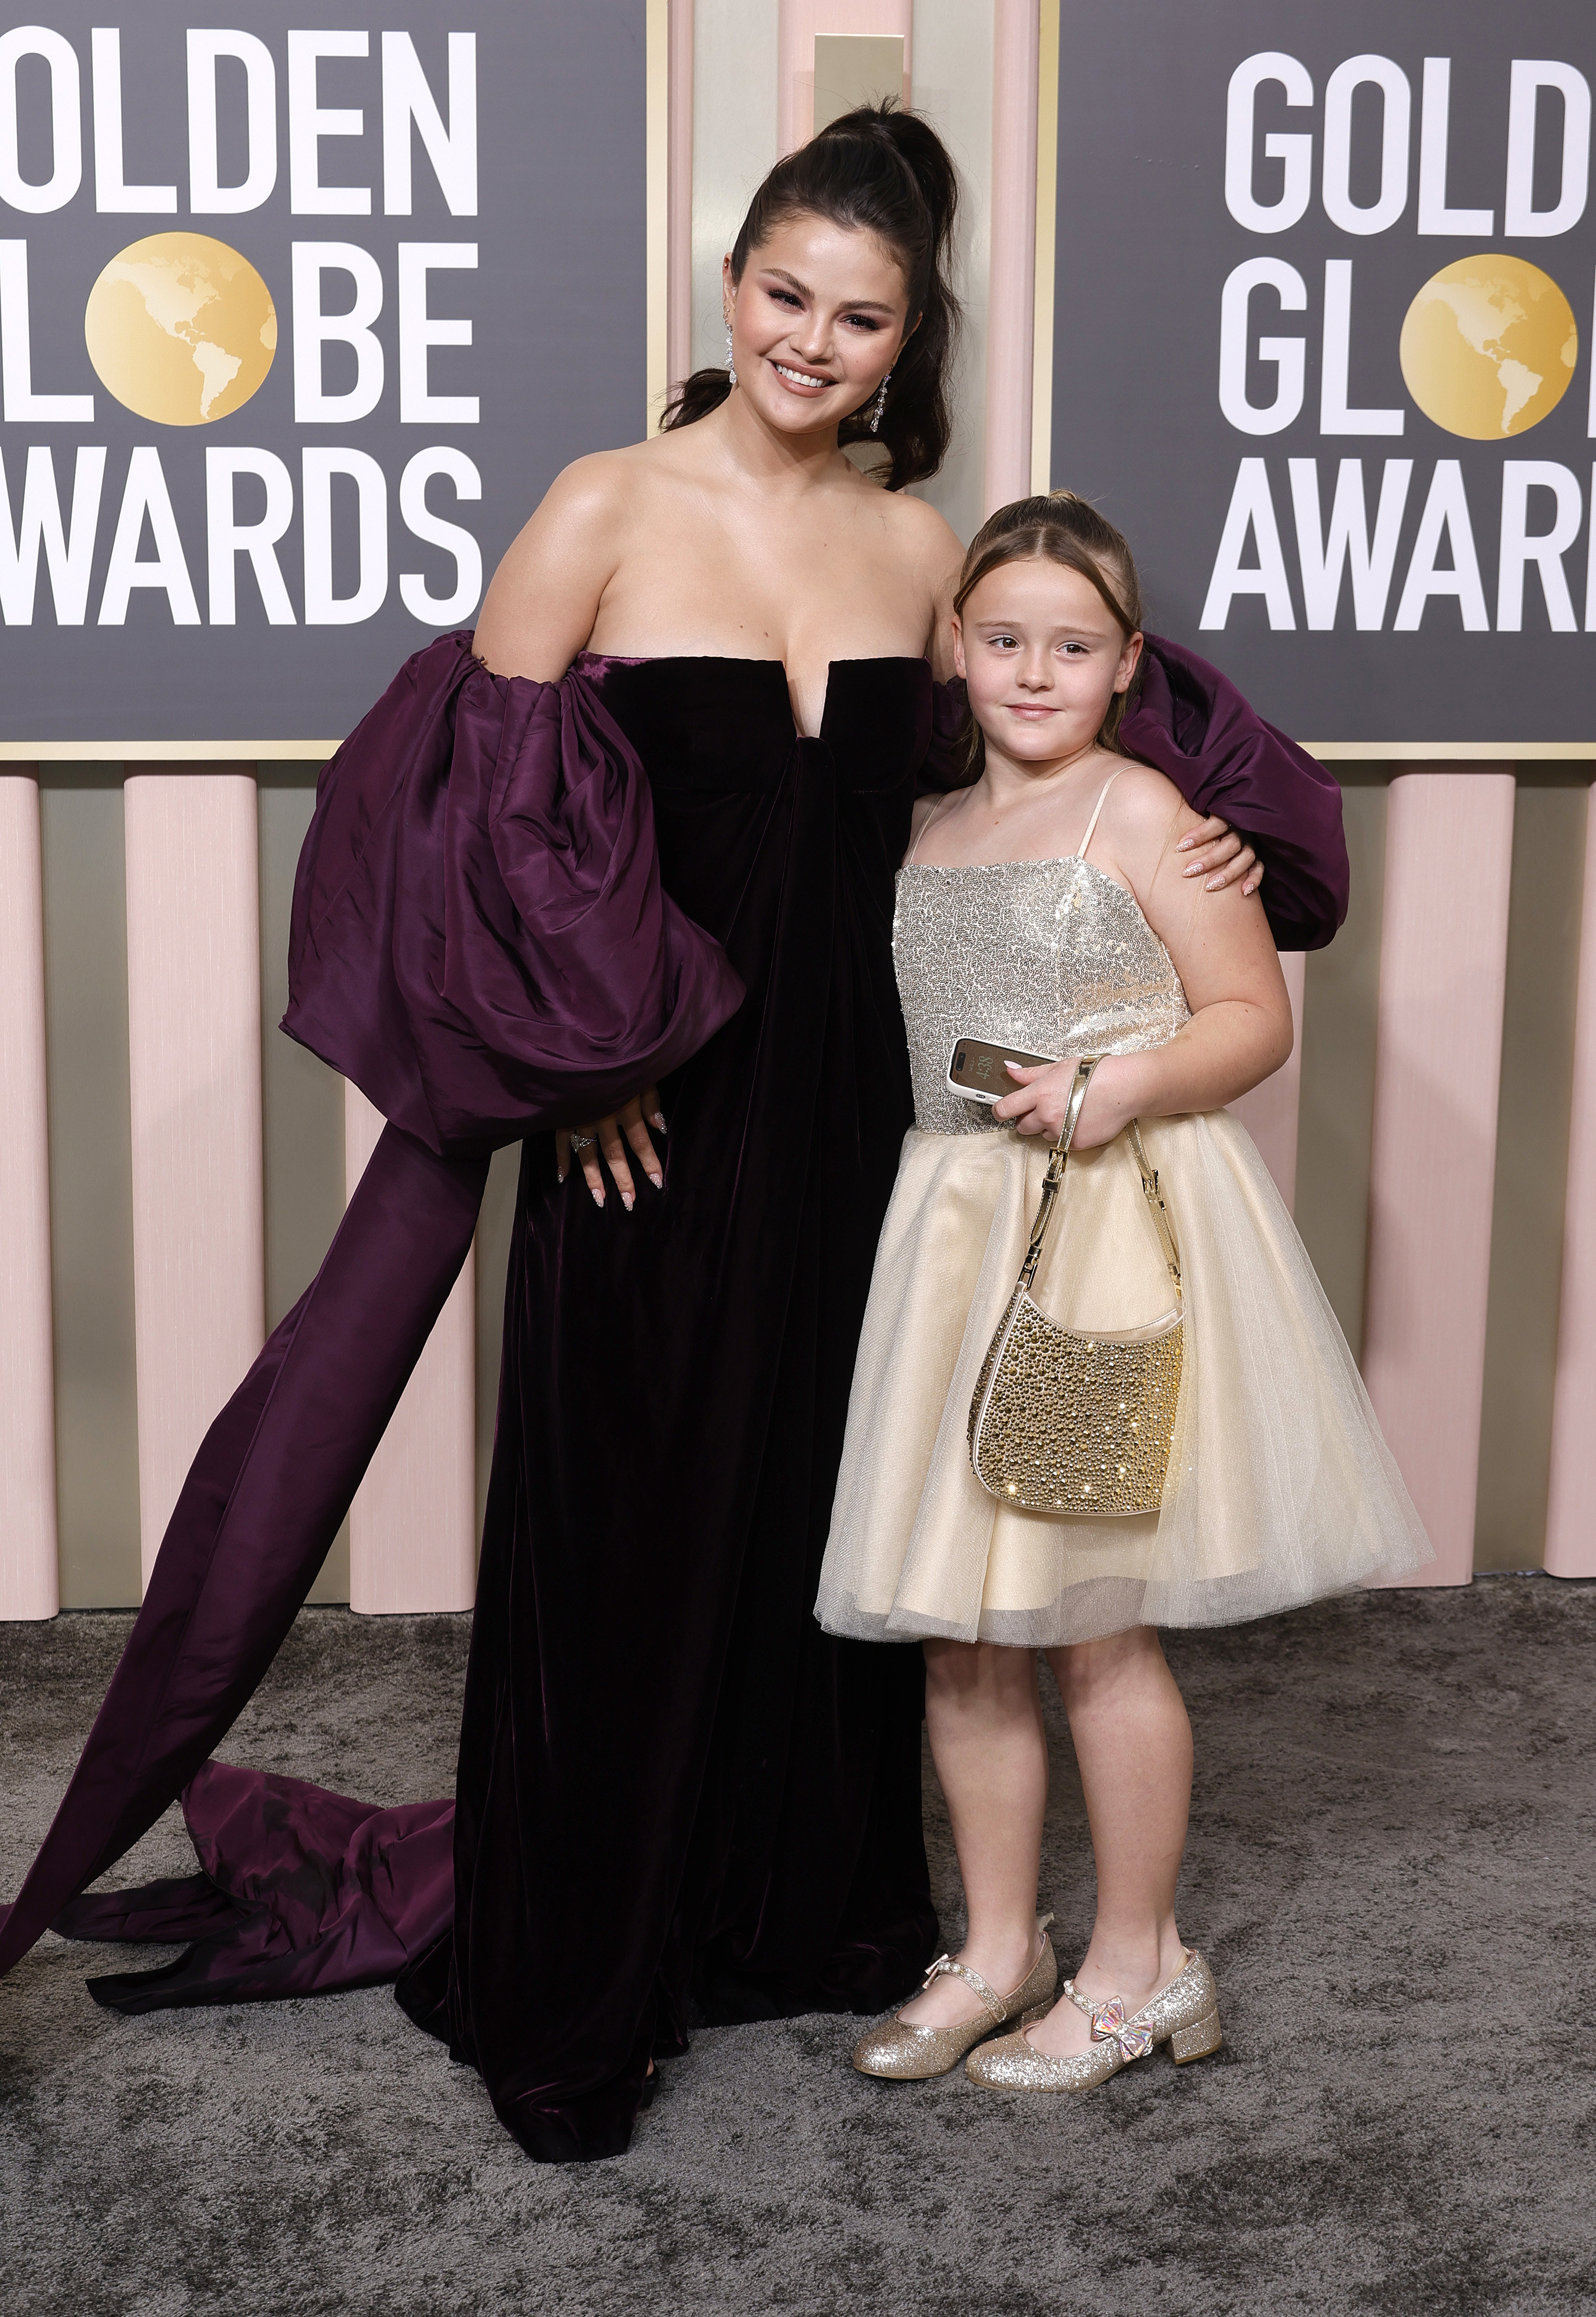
x=1108 y=2025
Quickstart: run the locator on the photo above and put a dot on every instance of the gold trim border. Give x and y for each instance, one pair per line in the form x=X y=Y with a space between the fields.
x=168 y=752
x=266 y=752
x=1456 y=752
x=1047 y=246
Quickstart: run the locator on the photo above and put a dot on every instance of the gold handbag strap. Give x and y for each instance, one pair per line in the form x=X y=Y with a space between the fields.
x=1057 y=1160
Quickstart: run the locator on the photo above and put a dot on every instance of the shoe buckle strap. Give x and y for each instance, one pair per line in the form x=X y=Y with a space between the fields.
x=972 y=1980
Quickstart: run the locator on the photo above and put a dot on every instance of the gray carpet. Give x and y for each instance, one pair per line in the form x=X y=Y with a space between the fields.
x=1390 y=1870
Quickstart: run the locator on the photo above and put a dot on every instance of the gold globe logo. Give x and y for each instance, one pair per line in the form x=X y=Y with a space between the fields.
x=181 y=328
x=1488 y=347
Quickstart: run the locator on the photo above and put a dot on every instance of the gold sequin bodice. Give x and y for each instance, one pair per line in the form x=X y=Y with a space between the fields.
x=1049 y=955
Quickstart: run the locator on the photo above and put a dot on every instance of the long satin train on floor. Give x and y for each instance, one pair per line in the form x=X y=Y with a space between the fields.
x=257 y=1515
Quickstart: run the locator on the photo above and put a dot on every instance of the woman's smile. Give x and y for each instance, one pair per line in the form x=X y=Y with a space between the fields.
x=805 y=381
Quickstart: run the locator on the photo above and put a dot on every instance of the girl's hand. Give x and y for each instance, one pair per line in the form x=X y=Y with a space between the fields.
x=1220 y=855
x=610 y=1137
x=1042 y=1096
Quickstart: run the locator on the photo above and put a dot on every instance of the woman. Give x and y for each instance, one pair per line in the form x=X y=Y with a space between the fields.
x=648 y=889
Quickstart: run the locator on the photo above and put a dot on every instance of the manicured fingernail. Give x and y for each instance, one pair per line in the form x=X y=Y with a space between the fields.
x=657 y=1180
x=562 y=1174
x=627 y=1201
x=1212 y=884
x=1195 y=870
x=659 y=1120
x=597 y=1196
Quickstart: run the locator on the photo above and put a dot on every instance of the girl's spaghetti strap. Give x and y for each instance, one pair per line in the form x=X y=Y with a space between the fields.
x=925 y=824
x=1091 y=825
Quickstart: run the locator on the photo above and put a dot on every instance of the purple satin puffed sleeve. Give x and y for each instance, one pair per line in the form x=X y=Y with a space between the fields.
x=480 y=939
x=1191 y=724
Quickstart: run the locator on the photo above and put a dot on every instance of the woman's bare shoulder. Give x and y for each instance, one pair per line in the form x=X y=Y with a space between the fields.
x=921 y=531
x=540 y=609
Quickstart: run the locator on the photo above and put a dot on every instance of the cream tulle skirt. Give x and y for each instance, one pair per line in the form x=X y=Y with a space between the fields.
x=1280 y=1487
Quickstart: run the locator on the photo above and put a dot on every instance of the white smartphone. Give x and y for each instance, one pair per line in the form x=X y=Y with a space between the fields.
x=977 y=1068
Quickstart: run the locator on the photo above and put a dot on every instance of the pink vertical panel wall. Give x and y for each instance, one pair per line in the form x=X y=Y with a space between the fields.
x=412 y=1528
x=1269 y=1113
x=194 y=1041
x=1443 y=973
x=28 y=1586
x=1011 y=279
x=1570 y=1510
x=799 y=23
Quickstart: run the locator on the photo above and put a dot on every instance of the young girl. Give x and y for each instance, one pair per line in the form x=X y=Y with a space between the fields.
x=1044 y=910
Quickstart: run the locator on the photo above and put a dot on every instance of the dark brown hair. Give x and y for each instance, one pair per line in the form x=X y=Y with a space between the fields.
x=884 y=170
x=1063 y=528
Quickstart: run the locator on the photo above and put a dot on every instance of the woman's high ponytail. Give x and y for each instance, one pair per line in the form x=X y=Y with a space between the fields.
x=882 y=171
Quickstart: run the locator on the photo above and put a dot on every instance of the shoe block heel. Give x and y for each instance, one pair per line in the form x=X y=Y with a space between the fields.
x=1197 y=2041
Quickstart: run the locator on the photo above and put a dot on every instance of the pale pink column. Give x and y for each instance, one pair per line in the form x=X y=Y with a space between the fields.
x=412 y=1528
x=679 y=205
x=1443 y=970
x=799 y=23
x=1269 y=1113
x=194 y=1041
x=1570 y=1505
x=28 y=1581
x=1012 y=279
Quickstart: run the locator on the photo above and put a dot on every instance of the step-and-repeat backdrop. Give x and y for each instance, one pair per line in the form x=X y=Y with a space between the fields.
x=1323 y=321
x=297 y=319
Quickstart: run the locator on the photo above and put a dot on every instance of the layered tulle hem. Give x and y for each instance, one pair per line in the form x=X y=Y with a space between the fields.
x=1280 y=1487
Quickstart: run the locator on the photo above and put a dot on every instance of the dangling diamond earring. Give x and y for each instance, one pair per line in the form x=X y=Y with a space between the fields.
x=730 y=372
x=880 y=404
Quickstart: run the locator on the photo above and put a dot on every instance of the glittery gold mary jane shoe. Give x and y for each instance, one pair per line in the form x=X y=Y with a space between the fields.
x=899 y=2050
x=1184 y=2014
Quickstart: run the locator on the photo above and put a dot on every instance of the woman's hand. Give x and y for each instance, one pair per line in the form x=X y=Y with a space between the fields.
x=609 y=1136
x=1042 y=1096
x=1219 y=855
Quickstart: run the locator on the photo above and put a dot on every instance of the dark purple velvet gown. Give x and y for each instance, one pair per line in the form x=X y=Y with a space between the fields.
x=518 y=904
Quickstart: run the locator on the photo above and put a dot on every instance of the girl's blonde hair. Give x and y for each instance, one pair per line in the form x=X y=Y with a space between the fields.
x=1066 y=529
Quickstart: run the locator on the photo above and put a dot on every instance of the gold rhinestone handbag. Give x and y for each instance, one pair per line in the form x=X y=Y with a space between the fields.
x=1067 y=1422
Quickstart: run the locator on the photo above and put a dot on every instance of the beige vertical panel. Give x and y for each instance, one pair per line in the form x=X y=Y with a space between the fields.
x=1011 y=306
x=1341 y=1006
x=302 y=1099
x=1443 y=970
x=735 y=76
x=28 y=1585
x=194 y=1079
x=855 y=68
x=657 y=175
x=91 y=1192
x=678 y=226
x=802 y=23
x=1571 y=1508
x=1269 y=1113
x=412 y=1529
x=1045 y=277
x=952 y=86
x=1543 y=946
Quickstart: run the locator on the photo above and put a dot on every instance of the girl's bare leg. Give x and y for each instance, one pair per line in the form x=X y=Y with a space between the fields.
x=985 y=1718
x=1132 y=1744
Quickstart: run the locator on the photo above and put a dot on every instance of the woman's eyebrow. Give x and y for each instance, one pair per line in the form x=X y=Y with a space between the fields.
x=875 y=305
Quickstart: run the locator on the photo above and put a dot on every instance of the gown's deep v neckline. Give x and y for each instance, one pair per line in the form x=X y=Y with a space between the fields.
x=750 y=659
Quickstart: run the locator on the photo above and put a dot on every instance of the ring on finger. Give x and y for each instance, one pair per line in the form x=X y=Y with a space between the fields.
x=582 y=1141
